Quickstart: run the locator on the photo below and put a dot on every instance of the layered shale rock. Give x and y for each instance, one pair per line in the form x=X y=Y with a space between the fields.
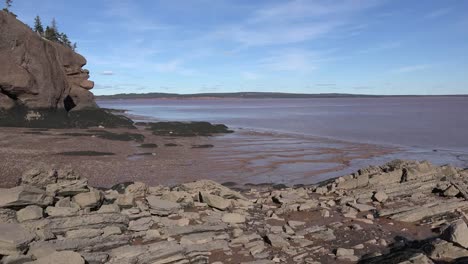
x=41 y=81
x=55 y=217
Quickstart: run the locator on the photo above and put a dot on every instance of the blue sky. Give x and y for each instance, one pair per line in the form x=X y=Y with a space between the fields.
x=303 y=46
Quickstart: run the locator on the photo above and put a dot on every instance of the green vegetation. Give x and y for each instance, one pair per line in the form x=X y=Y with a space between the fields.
x=52 y=33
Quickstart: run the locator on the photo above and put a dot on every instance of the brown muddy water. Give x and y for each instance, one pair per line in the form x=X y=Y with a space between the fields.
x=297 y=141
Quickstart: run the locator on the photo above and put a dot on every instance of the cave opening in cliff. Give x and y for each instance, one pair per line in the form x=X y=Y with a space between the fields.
x=68 y=103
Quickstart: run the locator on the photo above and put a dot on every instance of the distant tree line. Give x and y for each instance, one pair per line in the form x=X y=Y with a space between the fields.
x=52 y=33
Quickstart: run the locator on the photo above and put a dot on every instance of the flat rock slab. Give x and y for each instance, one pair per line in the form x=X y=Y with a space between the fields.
x=21 y=196
x=63 y=257
x=361 y=207
x=162 y=207
x=13 y=239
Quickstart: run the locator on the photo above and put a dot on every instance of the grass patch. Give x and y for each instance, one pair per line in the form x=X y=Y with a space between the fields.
x=86 y=153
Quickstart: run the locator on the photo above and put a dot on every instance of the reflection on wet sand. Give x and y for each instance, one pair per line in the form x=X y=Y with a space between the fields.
x=264 y=157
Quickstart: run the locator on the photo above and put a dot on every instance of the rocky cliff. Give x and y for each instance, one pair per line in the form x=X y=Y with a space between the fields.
x=37 y=73
x=43 y=84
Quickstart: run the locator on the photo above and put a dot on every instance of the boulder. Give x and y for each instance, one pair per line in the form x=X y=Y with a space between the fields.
x=276 y=241
x=380 y=196
x=39 y=177
x=137 y=189
x=90 y=199
x=215 y=201
x=68 y=187
x=31 y=212
x=142 y=224
x=446 y=251
x=14 y=239
x=162 y=207
x=22 y=196
x=457 y=233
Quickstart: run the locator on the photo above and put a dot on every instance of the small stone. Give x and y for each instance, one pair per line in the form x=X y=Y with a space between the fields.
x=233 y=218
x=343 y=252
x=295 y=224
x=380 y=196
x=89 y=199
x=125 y=200
x=141 y=224
x=152 y=234
x=31 y=212
x=325 y=213
x=361 y=207
x=451 y=191
x=109 y=208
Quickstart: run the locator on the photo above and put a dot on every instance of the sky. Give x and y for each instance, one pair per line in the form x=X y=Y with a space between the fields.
x=297 y=46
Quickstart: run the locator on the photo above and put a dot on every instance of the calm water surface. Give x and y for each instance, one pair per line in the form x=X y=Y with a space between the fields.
x=434 y=128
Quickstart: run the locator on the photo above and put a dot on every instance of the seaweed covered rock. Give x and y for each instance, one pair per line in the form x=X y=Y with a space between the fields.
x=60 y=118
x=187 y=129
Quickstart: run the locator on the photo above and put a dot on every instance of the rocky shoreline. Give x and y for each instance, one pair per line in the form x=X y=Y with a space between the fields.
x=401 y=212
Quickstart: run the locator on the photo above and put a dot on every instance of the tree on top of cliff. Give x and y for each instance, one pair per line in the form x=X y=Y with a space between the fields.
x=7 y=6
x=52 y=33
x=38 y=28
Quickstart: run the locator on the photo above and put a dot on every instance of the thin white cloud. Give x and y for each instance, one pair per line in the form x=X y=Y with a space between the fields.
x=413 y=68
x=107 y=73
x=438 y=13
x=173 y=66
x=290 y=60
x=293 y=22
x=382 y=47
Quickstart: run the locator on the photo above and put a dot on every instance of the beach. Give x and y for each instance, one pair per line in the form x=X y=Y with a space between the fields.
x=240 y=158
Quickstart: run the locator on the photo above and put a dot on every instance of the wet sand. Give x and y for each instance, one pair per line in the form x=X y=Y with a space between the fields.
x=243 y=157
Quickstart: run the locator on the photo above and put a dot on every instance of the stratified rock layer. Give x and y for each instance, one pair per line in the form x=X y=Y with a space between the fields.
x=409 y=219
x=39 y=74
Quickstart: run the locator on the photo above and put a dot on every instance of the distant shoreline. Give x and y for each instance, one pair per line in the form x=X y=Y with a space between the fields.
x=257 y=95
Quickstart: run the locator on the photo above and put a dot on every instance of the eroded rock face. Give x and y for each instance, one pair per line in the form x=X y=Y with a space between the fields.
x=40 y=74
